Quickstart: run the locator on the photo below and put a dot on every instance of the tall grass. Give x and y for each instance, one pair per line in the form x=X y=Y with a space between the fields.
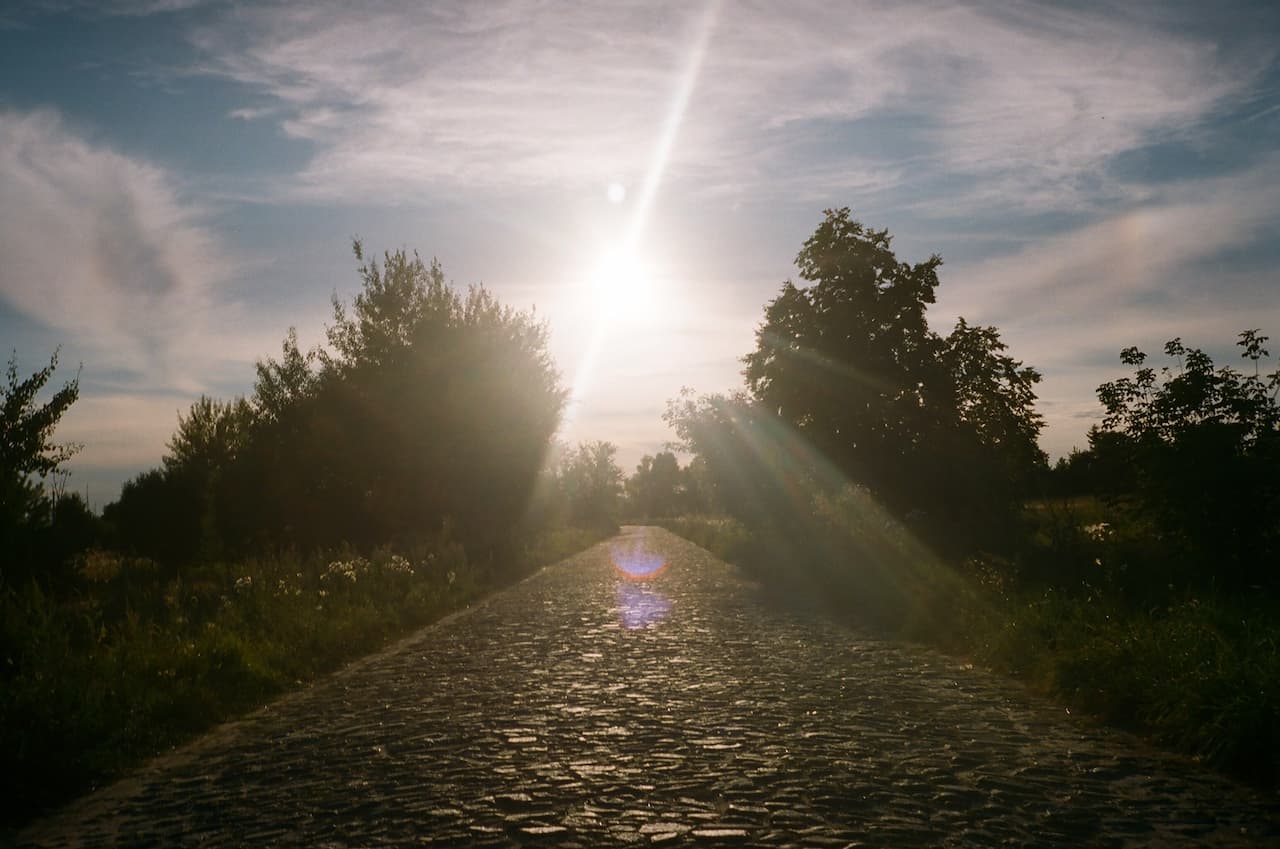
x=93 y=684
x=1083 y=614
x=1200 y=675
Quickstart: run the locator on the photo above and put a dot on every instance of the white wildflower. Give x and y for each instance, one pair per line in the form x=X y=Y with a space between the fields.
x=1098 y=531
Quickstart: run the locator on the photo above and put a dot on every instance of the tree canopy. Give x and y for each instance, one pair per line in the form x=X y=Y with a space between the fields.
x=427 y=405
x=848 y=367
x=26 y=426
x=28 y=455
x=1199 y=446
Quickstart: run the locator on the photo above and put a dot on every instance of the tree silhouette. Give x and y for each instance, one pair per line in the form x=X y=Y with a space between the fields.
x=592 y=482
x=1202 y=448
x=427 y=406
x=944 y=426
x=28 y=455
x=656 y=488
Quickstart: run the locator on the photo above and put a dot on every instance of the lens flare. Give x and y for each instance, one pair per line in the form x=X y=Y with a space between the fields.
x=634 y=561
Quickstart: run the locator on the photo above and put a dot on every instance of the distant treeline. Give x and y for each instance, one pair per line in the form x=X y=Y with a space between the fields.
x=428 y=407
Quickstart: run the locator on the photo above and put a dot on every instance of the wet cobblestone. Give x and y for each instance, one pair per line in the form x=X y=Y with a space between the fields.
x=585 y=708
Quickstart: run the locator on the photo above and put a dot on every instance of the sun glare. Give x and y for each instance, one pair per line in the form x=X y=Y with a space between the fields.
x=622 y=287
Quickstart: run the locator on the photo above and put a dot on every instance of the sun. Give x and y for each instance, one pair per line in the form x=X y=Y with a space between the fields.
x=622 y=287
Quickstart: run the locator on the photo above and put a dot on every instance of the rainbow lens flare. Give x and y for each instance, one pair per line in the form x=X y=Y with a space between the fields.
x=634 y=561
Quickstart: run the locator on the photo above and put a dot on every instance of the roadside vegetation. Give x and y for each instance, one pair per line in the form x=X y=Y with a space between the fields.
x=361 y=490
x=891 y=475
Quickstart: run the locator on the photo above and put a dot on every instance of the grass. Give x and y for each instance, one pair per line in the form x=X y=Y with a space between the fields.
x=1200 y=676
x=94 y=684
x=1197 y=672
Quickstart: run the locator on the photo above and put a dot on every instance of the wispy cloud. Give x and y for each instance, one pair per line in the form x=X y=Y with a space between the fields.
x=1034 y=99
x=1151 y=249
x=1069 y=303
x=102 y=250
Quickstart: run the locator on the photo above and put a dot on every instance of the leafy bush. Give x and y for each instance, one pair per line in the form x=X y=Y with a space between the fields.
x=1201 y=447
x=1197 y=675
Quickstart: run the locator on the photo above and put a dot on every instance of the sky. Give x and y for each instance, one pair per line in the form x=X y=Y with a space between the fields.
x=180 y=182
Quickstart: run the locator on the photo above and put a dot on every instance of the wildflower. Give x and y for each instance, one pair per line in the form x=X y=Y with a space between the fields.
x=399 y=566
x=244 y=585
x=339 y=569
x=1098 y=531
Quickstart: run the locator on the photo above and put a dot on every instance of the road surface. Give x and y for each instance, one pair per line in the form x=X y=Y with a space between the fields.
x=641 y=693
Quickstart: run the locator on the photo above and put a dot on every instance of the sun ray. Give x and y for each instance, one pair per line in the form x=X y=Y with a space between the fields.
x=649 y=188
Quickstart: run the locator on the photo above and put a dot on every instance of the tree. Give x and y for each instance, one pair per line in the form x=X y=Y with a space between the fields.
x=849 y=361
x=208 y=442
x=27 y=452
x=1202 y=444
x=433 y=404
x=849 y=366
x=158 y=516
x=984 y=457
x=592 y=482
x=657 y=486
x=428 y=404
x=751 y=464
x=209 y=437
x=26 y=427
x=282 y=385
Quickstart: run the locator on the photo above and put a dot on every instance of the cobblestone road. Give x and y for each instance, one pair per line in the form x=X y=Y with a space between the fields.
x=585 y=708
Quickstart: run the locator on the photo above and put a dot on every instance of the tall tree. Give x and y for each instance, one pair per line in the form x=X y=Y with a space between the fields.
x=26 y=426
x=849 y=366
x=654 y=490
x=593 y=483
x=28 y=455
x=429 y=405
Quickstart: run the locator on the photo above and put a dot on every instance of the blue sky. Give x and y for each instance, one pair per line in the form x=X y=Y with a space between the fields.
x=180 y=181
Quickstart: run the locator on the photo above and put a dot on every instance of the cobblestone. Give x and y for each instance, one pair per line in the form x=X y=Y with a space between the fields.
x=586 y=708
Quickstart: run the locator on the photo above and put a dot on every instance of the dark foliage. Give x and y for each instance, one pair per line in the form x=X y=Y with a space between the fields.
x=848 y=384
x=34 y=530
x=660 y=488
x=430 y=405
x=1199 y=447
x=591 y=482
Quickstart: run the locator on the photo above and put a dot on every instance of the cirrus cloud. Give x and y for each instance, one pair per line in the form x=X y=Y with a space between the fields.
x=1030 y=101
x=102 y=250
